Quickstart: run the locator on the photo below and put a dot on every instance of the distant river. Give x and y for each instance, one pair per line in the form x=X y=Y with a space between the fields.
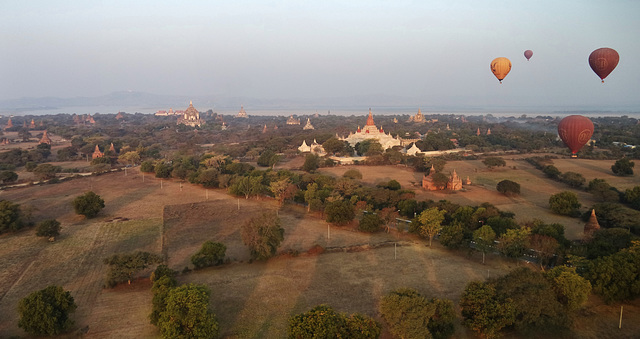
x=286 y=112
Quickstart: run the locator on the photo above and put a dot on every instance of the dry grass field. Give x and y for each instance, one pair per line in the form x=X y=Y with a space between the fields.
x=251 y=300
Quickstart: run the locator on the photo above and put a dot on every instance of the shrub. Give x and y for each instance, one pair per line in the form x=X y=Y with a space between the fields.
x=48 y=228
x=339 y=212
x=88 y=204
x=352 y=174
x=370 y=222
x=211 y=254
x=508 y=187
x=565 y=203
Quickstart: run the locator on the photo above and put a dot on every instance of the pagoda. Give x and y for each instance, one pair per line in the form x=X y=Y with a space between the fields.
x=9 y=124
x=308 y=125
x=32 y=125
x=454 y=183
x=190 y=117
x=418 y=118
x=293 y=121
x=97 y=153
x=591 y=226
x=242 y=113
x=45 y=138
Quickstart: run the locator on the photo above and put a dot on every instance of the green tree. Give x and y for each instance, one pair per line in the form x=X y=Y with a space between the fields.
x=632 y=197
x=431 y=222
x=492 y=162
x=10 y=216
x=211 y=254
x=46 y=171
x=124 y=266
x=323 y=322
x=453 y=236
x=48 y=228
x=508 y=187
x=484 y=238
x=441 y=325
x=544 y=247
x=484 y=310
x=551 y=171
x=262 y=235
x=615 y=277
x=573 y=179
x=46 y=312
x=310 y=163
x=440 y=180
x=623 y=167
x=513 y=243
x=129 y=158
x=571 y=289
x=268 y=158
x=565 y=203
x=8 y=177
x=282 y=190
x=187 y=313
x=339 y=212
x=247 y=186
x=147 y=166
x=162 y=169
x=310 y=194
x=370 y=222
x=88 y=204
x=600 y=189
x=334 y=146
x=160 y=290
x=407 y=313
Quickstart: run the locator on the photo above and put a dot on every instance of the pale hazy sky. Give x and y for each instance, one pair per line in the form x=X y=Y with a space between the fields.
x=438 y=51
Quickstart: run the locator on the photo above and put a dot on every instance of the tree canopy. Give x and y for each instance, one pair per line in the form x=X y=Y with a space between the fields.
x=46 y=312
x=262 y=235
x=211 y=254
x=124 y=266
x=187 y=314
x=88 y=204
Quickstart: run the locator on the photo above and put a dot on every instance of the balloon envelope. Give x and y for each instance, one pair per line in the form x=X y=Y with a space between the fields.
x=603 y=61
x=575 y=131
x=500 y=67
x=528 y=54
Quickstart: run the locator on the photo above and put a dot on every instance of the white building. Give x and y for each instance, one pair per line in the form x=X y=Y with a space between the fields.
x=370 y=131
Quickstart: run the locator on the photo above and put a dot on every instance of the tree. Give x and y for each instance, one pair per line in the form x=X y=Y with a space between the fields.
x=545 y=248
x=513 y=243
x=334 y=146
x=160 y=290
x=247 y=186
x=162 y=169
x=268 y=158
x=10 y=216
x=48 y=228
x=310 y=195
x=632 y=197
x=407 y=313
x=615 y=277
x=573 y=179
x=262 y=235
x=388 y=216
x=571 y=289
x=323 y=322
x=124 y=266
x=129 y=158
x=352 y=174
x=492 y=162
x=484 y=238
x=88 y=204
x=310 y=163
x=46 y=312
x=187 y=313
x=508 y=187
x=565 y=203
x=147 y=166
x=282 y=189
x=623 y=167
x=600 y=189
x=440 y=180
x=8 y=177
x=431 y=222
x=452 y=236
x=441 y=325
x=339 y=212
x=46 y=171
x=211 y=254
x=551 y=171
x=370 y=222
x=484 y=310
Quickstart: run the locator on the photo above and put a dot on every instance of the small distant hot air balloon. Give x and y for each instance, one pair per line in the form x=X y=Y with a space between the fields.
x=528 y=54
x=575 y=131
x=500 y=67
x=603 y=61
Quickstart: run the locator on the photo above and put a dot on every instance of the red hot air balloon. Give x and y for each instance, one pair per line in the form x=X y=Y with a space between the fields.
x=528 y=54
x=603 y=61
x=575 y=131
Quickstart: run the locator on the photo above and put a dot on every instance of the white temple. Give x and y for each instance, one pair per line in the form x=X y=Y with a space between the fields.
x=370 y=131
x=315 y=147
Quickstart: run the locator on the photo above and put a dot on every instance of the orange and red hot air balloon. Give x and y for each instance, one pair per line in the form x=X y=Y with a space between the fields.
x=528 y=54
x=575 y=131
x=500 y=67
x=603 y=61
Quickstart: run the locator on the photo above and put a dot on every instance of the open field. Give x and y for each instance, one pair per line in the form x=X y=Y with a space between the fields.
x=251 y=300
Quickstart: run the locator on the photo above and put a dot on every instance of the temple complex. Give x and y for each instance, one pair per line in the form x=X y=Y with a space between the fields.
x=418 y=118
x=315 y=147
x=370 y=131
x=45 y=138
x=190 y=117
x=242 y=113
x=308 y=125
x=293 y=121
x=455 y=183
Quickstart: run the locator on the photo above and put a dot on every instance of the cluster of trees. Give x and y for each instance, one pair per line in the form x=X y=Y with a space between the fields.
x=124 y=266
x=211 y=254
x=525 y=301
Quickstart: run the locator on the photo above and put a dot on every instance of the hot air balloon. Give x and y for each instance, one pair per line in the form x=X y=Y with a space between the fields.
x=603 y=61
x=500 y=67
x=528 y=54
x=575 y=131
